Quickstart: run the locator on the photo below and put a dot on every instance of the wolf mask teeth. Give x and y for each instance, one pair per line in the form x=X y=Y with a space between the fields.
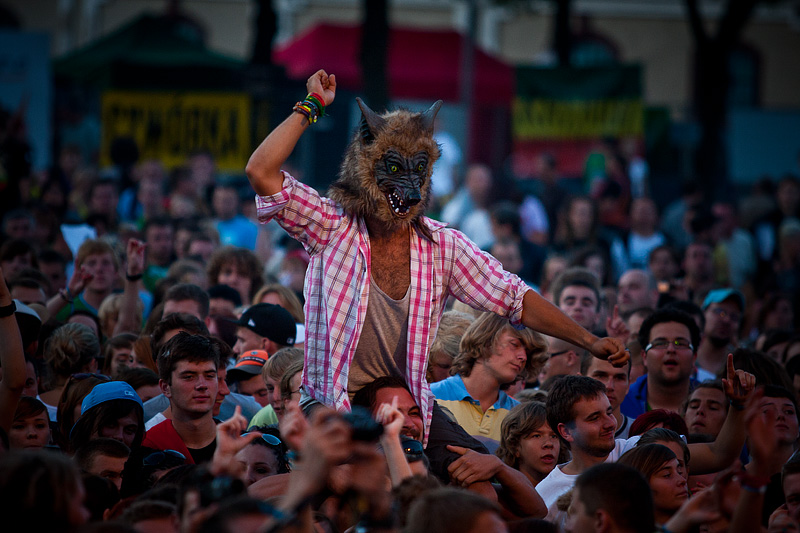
x=387 y=167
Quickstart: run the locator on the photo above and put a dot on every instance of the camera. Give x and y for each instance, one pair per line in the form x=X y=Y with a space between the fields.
x=365 y=428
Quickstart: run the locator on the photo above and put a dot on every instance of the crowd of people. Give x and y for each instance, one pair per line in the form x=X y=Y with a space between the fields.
x=172 y=360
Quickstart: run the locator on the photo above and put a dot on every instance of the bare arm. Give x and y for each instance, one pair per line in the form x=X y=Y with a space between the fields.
x=544 y=317
x=264 y=167
x=517 y=493
x=392 y=421
x=12 y=359
x=127 y=321
x=80 y=278
x=720 y=454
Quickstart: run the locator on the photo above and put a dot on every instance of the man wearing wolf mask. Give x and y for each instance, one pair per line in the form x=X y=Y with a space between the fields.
x=380 y=271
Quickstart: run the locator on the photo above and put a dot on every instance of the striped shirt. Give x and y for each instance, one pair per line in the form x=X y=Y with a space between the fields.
x=337 y=288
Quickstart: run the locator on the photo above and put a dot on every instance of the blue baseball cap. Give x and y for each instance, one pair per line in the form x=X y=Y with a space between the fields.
x=720 y=295
x=106 y=392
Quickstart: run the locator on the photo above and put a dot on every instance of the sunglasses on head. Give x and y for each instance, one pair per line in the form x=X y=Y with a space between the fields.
x=160 y=457
x=270 y=439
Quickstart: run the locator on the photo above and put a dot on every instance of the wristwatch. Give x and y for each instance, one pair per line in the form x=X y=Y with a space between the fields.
x=8 y=310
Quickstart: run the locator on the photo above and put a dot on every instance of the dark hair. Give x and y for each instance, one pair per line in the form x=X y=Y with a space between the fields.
x=621 y=491
x=666 y=314
x=17 y=247
x=791 y=467
x=143 y=510
x=104 y=414
x=668 y=419
x=185 y=347
x=72 y=396
x=182 y=321
x=655 y=435
x=280 y=451
x=28 y=407
x=776 y=391
x=447 y=510
x=766 y=370
x=647 y=458
x=189 y=291
x=565 y=393
x=576 y=276
x=223 y=519
x=365 y=396
x=245 y=260
x=773 y=337
x=225 y=292
x=38 y=491
x=138 y=377
x=690 y=308
x=101 y=446
x=117 y=342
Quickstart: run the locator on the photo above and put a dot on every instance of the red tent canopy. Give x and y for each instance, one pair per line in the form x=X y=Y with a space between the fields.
x=423 y=65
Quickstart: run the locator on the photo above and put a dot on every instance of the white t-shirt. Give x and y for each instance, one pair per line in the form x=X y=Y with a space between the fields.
x=557 y=482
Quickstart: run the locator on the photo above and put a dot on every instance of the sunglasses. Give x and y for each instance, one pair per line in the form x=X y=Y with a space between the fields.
x=160 y=457
x=270 y=439
x=412 y=449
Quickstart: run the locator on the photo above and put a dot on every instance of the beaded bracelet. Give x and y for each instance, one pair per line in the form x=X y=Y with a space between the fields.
x=313 y=107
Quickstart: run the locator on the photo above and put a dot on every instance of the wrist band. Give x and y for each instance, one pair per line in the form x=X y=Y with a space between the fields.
x=313 y=107
x=737 y=405
x=8 y=310
x=137 y=277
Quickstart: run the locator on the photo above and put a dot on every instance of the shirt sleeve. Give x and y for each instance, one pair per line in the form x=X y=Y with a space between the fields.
x=302 y=212
x=479 y=280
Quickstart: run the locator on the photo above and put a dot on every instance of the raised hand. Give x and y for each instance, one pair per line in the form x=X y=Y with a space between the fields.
x=230 y=441
x=323 y=84
x=79 y=280
x=738 y=385
x=135 y=257
x=615 y=326
x=390 y=418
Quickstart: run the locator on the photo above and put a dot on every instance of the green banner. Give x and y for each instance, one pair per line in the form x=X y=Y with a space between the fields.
x=578 y=103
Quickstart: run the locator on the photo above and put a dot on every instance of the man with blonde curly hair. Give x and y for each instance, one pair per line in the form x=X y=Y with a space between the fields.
x=492 y=353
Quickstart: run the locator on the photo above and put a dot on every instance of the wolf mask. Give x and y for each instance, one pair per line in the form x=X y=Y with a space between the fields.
x=386 y=172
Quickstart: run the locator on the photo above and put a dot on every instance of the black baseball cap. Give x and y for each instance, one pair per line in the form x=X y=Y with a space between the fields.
x=270 y=321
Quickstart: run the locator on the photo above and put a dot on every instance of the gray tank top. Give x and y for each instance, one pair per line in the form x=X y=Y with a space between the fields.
x=383 y=344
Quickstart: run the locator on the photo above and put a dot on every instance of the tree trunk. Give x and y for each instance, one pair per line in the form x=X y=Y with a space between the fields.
x=266 y=28
x=374 y=53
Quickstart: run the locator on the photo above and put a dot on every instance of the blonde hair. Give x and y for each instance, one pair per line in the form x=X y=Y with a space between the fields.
x=289 y=300
x=278 y=362
x=109 y=311
x=448 y=337
x=70 y=349
x=481 y=337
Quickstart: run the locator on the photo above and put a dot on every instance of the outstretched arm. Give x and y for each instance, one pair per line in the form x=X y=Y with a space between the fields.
x=264 y=167
x=544 y=317
x=12 y=358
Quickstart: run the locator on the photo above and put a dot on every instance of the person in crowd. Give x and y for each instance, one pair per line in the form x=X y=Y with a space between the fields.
x=238 y=268
x=187 y=367
x=669 y=339
x=118 y=353
x=617 y=382
x=528 y=444
x=613 y=498
x=264 y=457
x=104 y=457
x=576 y=292
x=723 y=310
x=143 y=380
x=41 y=492
x=12 y=352
x=563 y=359
x=15 y=256
x=245 y=376
x=446 y=344
x=492 y=354
x=272 y=372
x=659 y=466
x=70 y=349
x=453 y=510
x=266 y=327
x=159 y=235
x=111 y=410
x=187 y=298
x=93 y=280
x=706 y=408
x=643 y=236
x=636 y=289
x=30 y=429
x=698 y=268
x=234 y=228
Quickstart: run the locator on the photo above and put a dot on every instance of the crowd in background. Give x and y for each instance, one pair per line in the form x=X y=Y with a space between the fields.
x=162 y=329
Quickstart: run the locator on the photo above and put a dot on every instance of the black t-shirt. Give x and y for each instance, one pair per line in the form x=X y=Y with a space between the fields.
x=205 y=454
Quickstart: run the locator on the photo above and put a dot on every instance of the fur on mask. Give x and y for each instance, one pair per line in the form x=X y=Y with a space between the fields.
x=386 y=172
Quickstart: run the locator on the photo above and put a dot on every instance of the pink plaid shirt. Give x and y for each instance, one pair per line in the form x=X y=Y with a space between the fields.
x=337 y=288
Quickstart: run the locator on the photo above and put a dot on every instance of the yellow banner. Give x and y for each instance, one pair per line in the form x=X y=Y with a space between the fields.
x=581 y=119
x=170 y=126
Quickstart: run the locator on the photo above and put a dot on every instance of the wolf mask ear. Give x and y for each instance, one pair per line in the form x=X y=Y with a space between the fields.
x=371 y=122
x=429 y=116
